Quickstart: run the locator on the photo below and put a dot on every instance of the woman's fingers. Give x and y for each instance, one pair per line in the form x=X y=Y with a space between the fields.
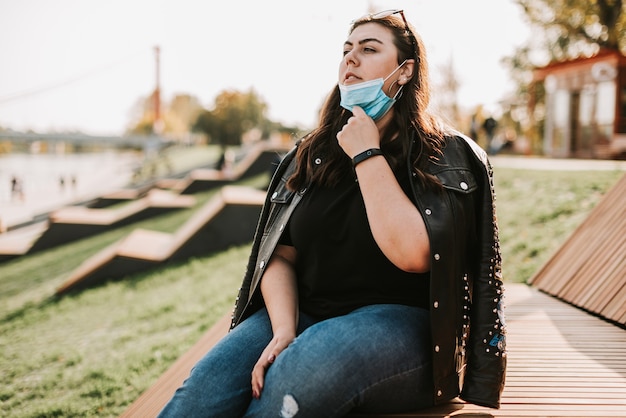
x=258 y=376
x=358 y=134
x=274 y=348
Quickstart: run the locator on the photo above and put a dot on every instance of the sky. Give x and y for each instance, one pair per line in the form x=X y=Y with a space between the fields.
x=81 y=65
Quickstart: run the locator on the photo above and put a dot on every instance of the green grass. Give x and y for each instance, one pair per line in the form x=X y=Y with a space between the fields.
x=92 y=353
x=538 y=210
x=175 y=160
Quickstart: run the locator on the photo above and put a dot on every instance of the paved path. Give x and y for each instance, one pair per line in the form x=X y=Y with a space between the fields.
x=558 y=164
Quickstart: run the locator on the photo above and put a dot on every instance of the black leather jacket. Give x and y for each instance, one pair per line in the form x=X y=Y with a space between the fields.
x=467 y=321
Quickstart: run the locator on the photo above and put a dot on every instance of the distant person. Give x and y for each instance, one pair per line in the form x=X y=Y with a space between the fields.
x=228 y=164
x=504 y=142
x=374 y=280
x=221 y=162
x=474 y=126
x=14 y=186
x=489 y=126
x=17 y=189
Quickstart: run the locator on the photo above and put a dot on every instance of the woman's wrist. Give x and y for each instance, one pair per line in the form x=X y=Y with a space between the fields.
x=285 y=333
x=359 y=158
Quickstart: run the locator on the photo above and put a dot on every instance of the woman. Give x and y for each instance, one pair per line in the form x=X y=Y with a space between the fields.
x=374 y=279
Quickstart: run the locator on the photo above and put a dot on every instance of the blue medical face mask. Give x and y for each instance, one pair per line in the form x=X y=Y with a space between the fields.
x=369 y=96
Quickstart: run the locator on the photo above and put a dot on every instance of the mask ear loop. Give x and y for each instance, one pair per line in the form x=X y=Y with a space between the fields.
x=398 y=93
x=394 y=71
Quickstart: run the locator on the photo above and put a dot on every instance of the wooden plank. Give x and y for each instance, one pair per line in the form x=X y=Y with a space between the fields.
x=599 y=296
x=589 y=257
x=535 y=392
x=617 y=307
x=521 y=410
x=599 y=263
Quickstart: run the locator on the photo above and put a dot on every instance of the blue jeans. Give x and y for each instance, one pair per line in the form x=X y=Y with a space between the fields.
x=374 y=359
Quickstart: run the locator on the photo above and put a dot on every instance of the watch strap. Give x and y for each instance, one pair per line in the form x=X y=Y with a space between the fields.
x=359 y=158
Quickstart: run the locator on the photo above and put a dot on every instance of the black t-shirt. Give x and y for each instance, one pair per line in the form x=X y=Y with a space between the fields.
x=339 y=265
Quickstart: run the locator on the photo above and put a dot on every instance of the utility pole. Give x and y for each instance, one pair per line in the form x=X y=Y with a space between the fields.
x=158 y=123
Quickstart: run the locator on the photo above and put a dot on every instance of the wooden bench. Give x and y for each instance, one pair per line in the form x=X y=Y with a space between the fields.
x=17 y=242
x=562 y=362
x=72 y=223
x=75 y=222
x=589 y=269
x=257 y=160
x=229 y=218
x=122 y=195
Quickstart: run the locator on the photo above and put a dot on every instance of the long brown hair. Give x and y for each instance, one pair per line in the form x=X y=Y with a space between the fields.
x=320 y=159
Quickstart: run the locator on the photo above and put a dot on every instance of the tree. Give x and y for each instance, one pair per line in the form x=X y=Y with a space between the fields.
x=234 y=114
x=448 y=86
x=577 y=27
x=568 y=29
x=179 y=115
x=563 y=30
x=142 y=115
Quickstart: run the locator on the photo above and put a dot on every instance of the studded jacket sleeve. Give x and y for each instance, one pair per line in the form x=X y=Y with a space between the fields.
x=486 y=348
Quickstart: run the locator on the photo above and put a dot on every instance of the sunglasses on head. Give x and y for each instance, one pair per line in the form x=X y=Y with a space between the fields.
x=386 y=13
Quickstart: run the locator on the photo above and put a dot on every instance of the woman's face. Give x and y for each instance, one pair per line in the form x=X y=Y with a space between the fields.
x=369 y=53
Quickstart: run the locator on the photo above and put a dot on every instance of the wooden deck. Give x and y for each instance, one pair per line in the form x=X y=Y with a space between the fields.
x=562 y=362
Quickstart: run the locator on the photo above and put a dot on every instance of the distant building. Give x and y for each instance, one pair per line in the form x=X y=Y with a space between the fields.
x=585 y=106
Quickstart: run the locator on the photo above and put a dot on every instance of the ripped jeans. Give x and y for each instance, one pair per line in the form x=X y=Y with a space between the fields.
x=374 y=359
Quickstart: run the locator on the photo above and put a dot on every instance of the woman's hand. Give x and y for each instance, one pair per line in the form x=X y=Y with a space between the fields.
x=273 y=349
x=280 y=292
x=396 y=224
x=360 y=133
